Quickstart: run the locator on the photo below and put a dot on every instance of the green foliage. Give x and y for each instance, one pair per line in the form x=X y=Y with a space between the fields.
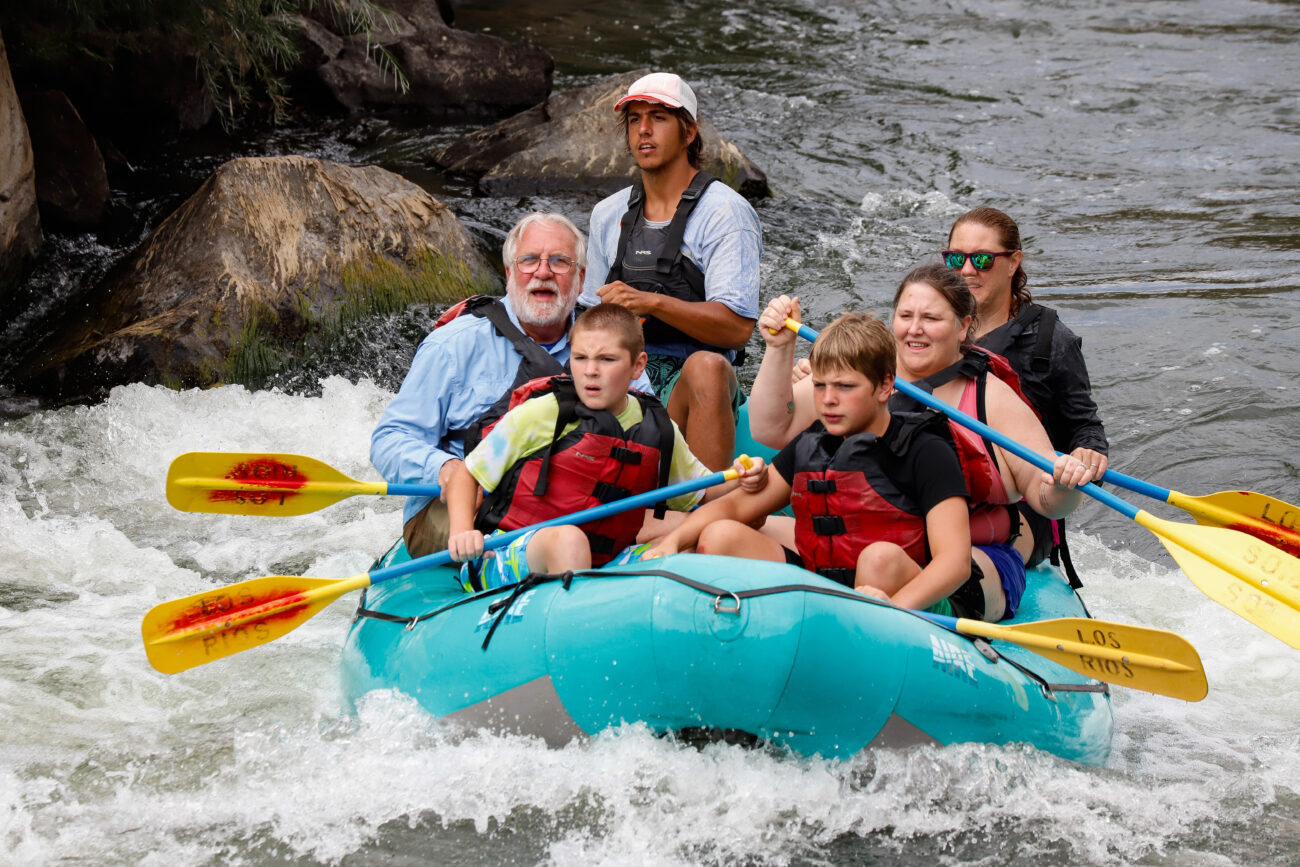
x=384 y=286
x=242 y=48
x=257 y=354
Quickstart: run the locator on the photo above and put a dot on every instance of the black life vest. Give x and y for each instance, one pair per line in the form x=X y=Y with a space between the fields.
x=992 y=519
x=536 y=362
x=597 y=462
x=843 y=500
x=1001 y=339
x=1049 y=535
x=662 y=269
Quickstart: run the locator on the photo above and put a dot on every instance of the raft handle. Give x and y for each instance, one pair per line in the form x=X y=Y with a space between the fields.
x=719 y=609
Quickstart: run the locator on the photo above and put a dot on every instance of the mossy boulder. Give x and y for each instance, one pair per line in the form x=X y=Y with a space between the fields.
x=268 y=256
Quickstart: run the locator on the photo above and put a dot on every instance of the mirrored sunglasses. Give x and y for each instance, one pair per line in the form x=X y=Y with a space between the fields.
x=981 y=259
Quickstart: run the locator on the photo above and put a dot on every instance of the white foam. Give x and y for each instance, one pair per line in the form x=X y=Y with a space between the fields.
x=252 y=758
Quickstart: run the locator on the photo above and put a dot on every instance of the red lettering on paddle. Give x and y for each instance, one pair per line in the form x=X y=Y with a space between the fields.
x=280 y=478
x=1276 y=535
x=209 y=614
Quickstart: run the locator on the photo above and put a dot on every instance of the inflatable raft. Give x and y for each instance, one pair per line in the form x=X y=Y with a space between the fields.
x=700 y=644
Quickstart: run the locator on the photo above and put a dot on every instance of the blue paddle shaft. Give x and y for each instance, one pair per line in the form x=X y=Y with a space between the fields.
x=414 y=490
x=640 y=501
x=949 y=623
x=1137 y=486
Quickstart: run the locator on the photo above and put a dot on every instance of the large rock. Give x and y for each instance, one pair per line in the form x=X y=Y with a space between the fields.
x=571 y=142
x=268 y=256
x=20 y=223
x=452 y=73
x=71 y=181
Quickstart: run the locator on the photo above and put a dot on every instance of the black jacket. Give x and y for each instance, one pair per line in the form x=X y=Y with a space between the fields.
x=1053 y=375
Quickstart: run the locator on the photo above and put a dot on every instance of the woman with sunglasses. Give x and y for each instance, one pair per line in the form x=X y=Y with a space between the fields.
x=984 y=247
x=934 y=312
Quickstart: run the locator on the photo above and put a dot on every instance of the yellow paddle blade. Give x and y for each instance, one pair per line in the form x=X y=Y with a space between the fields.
x=216 y=623
x=1261 y=516
x=1243 y=574
x=1152 y=660
x=254 y=483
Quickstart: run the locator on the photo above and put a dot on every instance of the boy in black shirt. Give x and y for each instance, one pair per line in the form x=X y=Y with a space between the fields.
x=879 y=500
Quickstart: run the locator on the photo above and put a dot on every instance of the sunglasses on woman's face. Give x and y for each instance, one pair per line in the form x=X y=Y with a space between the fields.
x=981 y=259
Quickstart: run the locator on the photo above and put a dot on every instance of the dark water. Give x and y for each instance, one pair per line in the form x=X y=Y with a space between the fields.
x=1150 y=153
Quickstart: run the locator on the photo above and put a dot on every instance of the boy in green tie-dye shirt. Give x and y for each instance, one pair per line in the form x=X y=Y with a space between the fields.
x=607 y=354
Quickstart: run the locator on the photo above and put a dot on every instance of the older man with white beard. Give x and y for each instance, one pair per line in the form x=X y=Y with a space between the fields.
x=465 y=369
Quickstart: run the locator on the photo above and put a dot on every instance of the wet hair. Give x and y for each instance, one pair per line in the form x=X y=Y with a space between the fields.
x=618 y=320
x=952 y=286
x=855 y=341
x=512 y=239
x=694 y=150
x=1009 y=238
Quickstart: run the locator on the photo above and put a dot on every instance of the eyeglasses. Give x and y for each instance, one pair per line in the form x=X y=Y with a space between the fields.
x=558 y=264
x=981 y=259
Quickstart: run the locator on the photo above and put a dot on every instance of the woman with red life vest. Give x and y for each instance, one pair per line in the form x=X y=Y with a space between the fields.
x=934 y=313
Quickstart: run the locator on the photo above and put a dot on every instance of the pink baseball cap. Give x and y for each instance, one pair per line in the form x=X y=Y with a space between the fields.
x=664 y=88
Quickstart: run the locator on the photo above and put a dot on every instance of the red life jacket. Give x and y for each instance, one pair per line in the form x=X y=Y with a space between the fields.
x=597 y=462
x=536 y=362
x=991 y=518
x=843 y=501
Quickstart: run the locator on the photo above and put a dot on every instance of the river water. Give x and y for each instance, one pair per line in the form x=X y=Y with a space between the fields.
x=1149 y=151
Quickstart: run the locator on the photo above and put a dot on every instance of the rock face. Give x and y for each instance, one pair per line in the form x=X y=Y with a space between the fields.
x=71 y=181
x=571 y=142
x=20 y=224
x=452 y=73
x=269 y=255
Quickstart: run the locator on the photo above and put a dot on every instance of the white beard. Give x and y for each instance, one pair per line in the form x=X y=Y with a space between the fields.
x=543 y=314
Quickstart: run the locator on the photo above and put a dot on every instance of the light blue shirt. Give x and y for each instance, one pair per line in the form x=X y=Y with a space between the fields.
x=458 y=372
x=723 y=237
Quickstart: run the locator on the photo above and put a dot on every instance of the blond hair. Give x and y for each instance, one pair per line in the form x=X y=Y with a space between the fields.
x=618 y=320
x=855 y=341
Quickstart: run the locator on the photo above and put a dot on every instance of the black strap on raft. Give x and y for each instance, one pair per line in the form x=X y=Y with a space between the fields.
x=724 y=602
x=502 y=606
x=1061 y=555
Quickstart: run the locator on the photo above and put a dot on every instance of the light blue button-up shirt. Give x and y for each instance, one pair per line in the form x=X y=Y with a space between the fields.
x=458 y=372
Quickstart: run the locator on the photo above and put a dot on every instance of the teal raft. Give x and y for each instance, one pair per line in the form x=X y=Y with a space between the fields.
x=717 y=646
x=720 y=646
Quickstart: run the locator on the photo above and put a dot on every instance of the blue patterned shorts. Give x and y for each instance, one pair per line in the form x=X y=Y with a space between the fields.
x=497 y=568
